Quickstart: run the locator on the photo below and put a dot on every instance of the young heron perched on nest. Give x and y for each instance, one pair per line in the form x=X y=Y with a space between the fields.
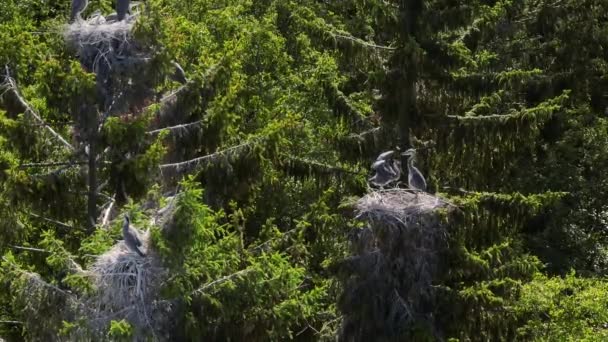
x=131 y=239
x=387 y=169
x=415 y=179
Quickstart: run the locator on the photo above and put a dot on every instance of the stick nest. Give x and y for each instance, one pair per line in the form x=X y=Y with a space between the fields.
x=99 y=42
x=126 y=287
x=108 y=48
x=395 y=260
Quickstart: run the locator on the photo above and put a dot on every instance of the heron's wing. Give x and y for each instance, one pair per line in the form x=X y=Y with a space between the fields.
x=381 y=178
x=135 y=237
x=418 y=179
x=385 y=155
x=377 y=164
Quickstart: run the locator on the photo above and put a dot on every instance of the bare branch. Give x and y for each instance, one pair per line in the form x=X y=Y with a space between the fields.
x=223 y=280
x=320 y=166
x=193 y=163
x=35 y=165
x=106 y=215
x=30 y=249
x=264 y=245
x=362 y=135
x=175 y=128
x=65 y=225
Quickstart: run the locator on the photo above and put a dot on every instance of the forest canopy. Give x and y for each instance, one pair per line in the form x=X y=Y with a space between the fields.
x=201 y=170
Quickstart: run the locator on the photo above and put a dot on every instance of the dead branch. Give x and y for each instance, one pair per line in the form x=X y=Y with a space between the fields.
x=326 y=167
x=106 y=215
x=65 y=225
x=36 y=165
x=189 y=164
x=30 y=249
x=263 y=246
x=175 y=128
x=222 y=280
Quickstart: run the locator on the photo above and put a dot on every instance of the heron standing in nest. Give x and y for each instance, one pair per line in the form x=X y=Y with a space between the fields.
x=122 y=9
x=387 y=169
x=131 y=237
x=415 y=179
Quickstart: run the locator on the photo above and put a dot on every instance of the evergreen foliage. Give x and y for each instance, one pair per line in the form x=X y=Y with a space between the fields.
x=243 y=177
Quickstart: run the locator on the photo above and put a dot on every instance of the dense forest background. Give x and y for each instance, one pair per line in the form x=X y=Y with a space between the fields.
x=243 y=176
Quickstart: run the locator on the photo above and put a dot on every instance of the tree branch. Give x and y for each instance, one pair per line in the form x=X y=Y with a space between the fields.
x=9 y=86
x=362 y=42
x=189 y=164
x=30 y=249
x=222 y=280
x=65 y=225
x=175 y=128
x=35 y=165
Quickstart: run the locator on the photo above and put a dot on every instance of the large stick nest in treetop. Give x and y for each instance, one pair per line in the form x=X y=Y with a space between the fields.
x=397 y=207
x=98 y=42
x=121 y=64
x=395 y=260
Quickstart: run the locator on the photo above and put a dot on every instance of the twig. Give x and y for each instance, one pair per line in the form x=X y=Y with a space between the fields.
x=197 y=161
x=106 y=215
x=35 y=165
x=31 y=249
x=363 y=42
x=222 y=280
x=175 y=128
x=10 y=85
x=11 y=322
x=266 y=243
x=65 y=225
x=363 y=134
x=328 y=168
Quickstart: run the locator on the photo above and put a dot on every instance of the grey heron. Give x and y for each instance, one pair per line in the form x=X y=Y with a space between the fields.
x=122 y=8
x=130 y=236
x=78 y=6
x=179 y=75
x=387 y=170
x=415 y=179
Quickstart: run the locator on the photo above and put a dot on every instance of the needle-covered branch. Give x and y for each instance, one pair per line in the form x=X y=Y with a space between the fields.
x=9 y=88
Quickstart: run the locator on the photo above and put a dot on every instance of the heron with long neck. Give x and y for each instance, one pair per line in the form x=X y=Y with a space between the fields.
x=415 y=179
x=130 y=236
x=78 y=6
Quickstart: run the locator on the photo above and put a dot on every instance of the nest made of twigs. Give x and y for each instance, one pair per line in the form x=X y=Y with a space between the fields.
x=127 y=288
x=395 y=260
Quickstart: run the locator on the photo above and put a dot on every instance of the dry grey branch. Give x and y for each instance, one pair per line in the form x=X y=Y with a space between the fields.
x=182 y=127
x=189 y=165
x=39 y=250
x=223 y=280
